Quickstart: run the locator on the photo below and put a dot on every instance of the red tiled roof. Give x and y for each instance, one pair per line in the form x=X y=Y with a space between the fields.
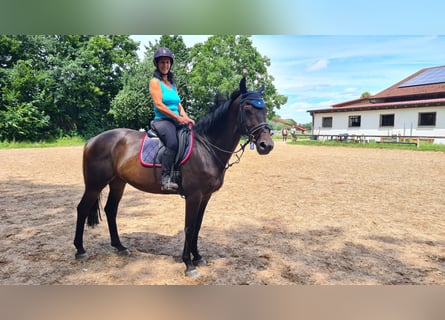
x=395 y=91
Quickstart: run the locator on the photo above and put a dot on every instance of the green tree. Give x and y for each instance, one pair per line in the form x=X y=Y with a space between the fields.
x=68 y=79
x=20 y=115
x=365 y=94
x=94 y=76
x=218 y=64
x=131 y=107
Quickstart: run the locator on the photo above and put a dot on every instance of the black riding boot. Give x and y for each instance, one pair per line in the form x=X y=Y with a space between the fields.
x=167 y=162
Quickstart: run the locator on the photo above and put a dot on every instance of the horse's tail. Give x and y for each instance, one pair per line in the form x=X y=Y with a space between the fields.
x=94 y=215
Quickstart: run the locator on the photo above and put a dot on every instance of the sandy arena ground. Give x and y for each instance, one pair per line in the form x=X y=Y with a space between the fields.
x=300 y=215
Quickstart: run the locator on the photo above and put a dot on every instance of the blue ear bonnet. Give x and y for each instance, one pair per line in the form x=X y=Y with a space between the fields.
x=253 y=98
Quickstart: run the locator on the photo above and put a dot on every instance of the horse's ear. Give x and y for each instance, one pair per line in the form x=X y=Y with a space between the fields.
x=242 y=85
x=261 y=90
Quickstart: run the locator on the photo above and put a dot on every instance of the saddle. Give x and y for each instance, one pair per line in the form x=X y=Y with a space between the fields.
x=152 y=148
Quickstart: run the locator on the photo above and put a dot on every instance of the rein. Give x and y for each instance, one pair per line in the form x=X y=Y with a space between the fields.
x=210 y=145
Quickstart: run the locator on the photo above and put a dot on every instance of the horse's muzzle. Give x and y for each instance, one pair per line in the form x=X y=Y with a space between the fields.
x=264 y=145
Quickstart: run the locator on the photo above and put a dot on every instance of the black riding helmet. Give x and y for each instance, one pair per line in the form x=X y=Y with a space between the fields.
x=163 y=52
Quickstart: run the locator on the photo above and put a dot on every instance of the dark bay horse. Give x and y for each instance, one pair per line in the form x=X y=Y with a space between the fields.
x=112 y=158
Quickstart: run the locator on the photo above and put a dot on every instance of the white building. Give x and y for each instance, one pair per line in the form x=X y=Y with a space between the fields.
x=412 y=108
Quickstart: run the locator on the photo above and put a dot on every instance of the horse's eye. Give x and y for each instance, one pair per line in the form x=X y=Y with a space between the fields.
x=248 y=111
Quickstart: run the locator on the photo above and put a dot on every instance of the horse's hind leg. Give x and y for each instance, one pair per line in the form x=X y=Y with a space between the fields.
x=117 y=187
x=88 y=205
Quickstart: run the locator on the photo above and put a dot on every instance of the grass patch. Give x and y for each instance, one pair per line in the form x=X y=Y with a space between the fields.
x=61 y=142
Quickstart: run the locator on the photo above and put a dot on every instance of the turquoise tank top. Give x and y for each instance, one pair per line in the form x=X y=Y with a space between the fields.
x=170 y=98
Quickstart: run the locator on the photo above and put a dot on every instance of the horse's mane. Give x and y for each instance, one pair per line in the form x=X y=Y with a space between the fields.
x=214 y=119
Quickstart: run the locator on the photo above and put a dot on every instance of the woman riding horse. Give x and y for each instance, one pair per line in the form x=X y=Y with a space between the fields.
x=169 y=112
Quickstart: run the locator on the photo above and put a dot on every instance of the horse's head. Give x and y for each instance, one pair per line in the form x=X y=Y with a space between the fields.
x=253 y=113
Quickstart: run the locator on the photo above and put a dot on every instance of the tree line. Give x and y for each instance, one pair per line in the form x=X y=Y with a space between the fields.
x=53 y=86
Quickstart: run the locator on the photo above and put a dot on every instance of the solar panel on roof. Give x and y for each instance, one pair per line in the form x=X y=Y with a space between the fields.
x=429 y=76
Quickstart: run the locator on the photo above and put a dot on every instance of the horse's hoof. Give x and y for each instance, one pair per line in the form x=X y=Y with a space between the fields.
x=81 y=256
x=125 y=253
x=200 y=263
x=192 y=273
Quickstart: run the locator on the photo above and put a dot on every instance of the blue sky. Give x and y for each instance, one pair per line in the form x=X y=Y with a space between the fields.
x=317 y=71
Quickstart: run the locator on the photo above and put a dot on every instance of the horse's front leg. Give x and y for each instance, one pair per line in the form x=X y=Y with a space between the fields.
x=194 y=212
x=197 y=258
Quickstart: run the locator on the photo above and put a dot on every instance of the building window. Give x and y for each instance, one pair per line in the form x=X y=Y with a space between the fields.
x=427 y=118
x=354 y=121
x=387 y=120
x=326 y=122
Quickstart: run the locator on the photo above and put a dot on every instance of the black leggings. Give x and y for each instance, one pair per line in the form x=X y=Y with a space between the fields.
x=166 y=130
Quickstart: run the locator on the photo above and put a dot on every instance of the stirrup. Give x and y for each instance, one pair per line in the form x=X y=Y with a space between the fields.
x=168 y=185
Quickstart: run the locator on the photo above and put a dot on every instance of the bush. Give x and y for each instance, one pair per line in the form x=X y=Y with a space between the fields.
x=23 y=122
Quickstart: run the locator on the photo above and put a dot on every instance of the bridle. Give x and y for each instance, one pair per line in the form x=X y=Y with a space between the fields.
x=254 y=99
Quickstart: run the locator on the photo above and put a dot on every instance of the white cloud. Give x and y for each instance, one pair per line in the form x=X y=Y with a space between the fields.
x=351 y=90
x=319 y=65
